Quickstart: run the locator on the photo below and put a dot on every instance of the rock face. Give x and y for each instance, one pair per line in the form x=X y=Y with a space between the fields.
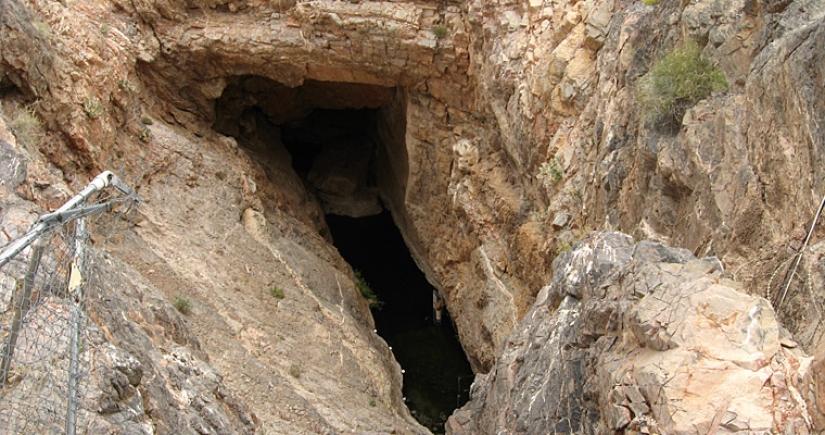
x=640 y=338
x=142 y=370
x=502 y=131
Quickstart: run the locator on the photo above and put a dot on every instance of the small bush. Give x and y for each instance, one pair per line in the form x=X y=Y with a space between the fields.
x=651 y=2
x=440 y=32
x=104 y=29
x=93 y=108
x=372 y=403
x=182 y=304
x=144 y=135
x=126 y=85
x=674 y=83
x=145 y=120
x=43 y=29
x=295 y=370
x=550 y=172
x=25 y=126
x=276 y=292
x=367 y=292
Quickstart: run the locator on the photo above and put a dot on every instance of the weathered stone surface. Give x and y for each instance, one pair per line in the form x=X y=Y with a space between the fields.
x=474 y=114
x=640 y=338
x=12 y=166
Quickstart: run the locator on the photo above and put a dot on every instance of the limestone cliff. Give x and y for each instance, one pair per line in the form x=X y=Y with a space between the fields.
x=503 y=131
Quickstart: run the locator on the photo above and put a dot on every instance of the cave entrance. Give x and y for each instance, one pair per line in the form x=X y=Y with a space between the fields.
x=346 y=143
x=437 y=374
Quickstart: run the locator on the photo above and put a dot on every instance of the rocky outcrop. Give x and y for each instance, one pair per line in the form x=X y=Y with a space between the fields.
x=503 y=131
x=142 y=369
x=641 y=338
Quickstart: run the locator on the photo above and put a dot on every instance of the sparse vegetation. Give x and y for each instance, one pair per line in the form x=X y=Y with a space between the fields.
x=93 y=108
x=550 y=172
x=145 y=120
x=182 y=304
x=674 y=83
x=440 y=32
x=569 y=241
x=372 y=403
x=651 y=2
x=42 y=28
x=295 y=370
x=144 y=135
x=564 y=246
x=276 y=292
x=25 y=126
x=104 y=29
x=126 y=85
x=539 y=214
x=367 y=292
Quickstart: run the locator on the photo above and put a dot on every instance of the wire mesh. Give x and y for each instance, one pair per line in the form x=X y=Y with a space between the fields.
x=42 y=301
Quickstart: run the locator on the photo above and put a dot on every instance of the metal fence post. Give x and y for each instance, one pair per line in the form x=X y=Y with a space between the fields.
x=76 y=292
x=20 y=304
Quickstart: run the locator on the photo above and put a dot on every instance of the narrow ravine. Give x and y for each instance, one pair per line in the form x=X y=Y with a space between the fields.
x=437 y=375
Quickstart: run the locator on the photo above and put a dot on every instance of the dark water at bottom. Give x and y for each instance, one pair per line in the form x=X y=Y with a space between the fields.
x=437 y=375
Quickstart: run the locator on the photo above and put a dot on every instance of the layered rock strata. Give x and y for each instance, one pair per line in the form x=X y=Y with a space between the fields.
x=479 y=102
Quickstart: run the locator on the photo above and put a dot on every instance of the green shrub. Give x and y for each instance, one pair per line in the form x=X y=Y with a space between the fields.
x=440 y=32
x=144 y=135
x=651 y=2
x=104 y=28
x=25 y=126
x=276 y=292
x=93 y=108
x=145 y=120
x=42 y=29
x=367 y=292
x=182 y=304
x=550 y=172
x=295 y=370
x=126 y=85
x=674 y=83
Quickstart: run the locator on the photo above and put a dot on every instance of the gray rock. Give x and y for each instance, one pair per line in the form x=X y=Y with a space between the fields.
x=592 y=357
x=12 y=166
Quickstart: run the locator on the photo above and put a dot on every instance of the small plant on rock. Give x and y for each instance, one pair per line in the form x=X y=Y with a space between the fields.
x=550 y=172
x=25 y=126
x=674 y=83
x=276 y=292
x=295 y=370
x=43 y=29
x=144 y=135
x=93 y=108
x=440 y=32
x=126 y=85
x=182 y=304
x=367 y=292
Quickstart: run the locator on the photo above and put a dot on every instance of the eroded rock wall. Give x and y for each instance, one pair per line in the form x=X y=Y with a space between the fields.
x=486 y=93
x=641 y=338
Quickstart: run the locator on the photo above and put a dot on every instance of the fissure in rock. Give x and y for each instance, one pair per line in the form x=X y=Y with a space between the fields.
x=437 y=374
x=346 y=143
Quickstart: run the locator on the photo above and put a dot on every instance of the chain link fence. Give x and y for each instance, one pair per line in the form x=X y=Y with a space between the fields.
x=45 y=280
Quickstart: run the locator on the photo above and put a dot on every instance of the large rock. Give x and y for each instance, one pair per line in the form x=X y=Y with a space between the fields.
x=640 y=338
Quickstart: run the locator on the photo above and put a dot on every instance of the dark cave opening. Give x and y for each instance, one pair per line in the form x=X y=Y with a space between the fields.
x=346 y=144
x=437 y=374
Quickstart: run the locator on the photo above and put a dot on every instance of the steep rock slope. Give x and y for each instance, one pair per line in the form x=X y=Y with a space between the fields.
x=641 y=338
x=484 y=94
